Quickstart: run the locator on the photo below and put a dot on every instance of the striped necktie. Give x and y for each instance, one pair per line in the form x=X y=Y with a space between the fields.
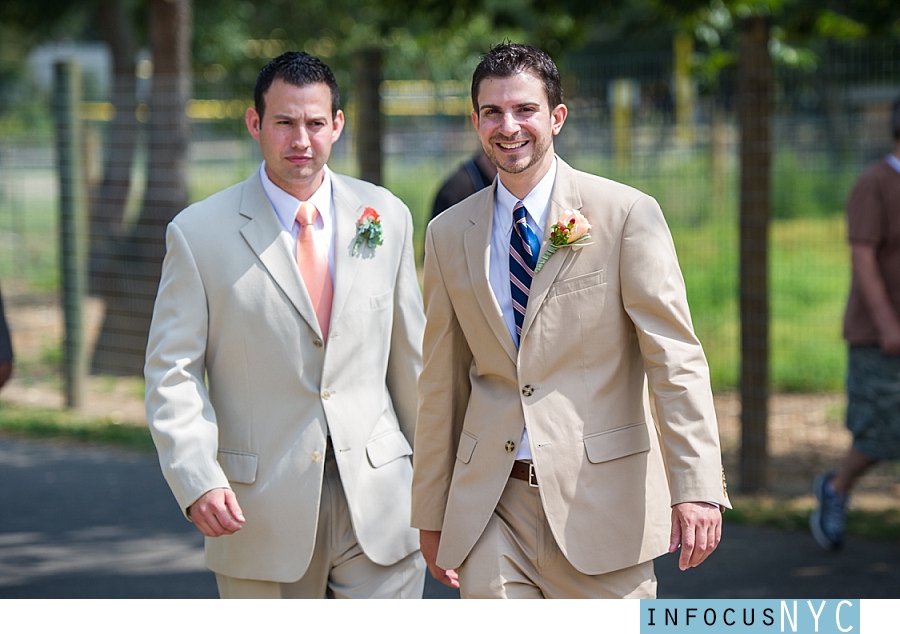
x=523 y=253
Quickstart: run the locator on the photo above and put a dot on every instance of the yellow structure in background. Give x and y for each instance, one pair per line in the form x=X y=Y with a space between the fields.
x=683 y=48
x=624 y=96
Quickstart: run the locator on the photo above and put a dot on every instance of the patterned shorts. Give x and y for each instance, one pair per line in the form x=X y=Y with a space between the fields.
x=873 y=402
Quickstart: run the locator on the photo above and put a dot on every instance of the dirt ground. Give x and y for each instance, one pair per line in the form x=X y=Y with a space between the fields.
x=806 y=431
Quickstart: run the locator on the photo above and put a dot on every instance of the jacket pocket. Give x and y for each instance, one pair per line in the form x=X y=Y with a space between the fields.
x=466 y=447
x=377 y=302
x=238 y=466
x=617 y=443
x=387 y=448
x=580 y=283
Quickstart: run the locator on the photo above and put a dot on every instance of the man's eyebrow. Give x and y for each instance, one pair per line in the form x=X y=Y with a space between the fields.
x=518 y=105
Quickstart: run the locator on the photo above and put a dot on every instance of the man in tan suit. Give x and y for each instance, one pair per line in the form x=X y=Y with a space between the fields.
x=282 y=363
x=539 y=471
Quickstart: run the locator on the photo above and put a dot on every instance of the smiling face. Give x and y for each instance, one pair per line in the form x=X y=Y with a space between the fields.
x=295 y=135
x=516 y=126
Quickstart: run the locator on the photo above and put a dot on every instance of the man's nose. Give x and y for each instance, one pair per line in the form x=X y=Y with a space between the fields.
x=509 y=125
x=300 y=138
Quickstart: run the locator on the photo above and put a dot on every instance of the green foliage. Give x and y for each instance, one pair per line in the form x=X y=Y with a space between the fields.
x=800 y=189
x=53 y=423
x=793 y=515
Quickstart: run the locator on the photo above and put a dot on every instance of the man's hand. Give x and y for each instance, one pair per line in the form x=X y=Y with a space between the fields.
x=428 y=543
x=697 y=528
x=217 y=513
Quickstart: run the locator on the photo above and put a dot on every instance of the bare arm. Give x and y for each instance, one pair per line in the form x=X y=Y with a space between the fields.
x=865 y=267
x=5 y=372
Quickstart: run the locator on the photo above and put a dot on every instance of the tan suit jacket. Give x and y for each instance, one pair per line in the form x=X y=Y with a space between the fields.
x=603 y=319
x=233 y=314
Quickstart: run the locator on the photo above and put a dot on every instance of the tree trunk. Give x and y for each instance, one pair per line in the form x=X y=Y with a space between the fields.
x=123 y=338
x=368 y=132
x=110 y=197
x=755 y=90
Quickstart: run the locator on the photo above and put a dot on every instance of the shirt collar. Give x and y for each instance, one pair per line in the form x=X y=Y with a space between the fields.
x=893 y=161
x=536 y=202
x=286 y=205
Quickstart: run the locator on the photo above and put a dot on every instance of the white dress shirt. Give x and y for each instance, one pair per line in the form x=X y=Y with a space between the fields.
x=536 y=204
x=286 y=209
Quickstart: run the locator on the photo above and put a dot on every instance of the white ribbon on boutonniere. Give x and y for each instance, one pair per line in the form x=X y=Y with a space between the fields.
x=368 y=230
x=570 y=229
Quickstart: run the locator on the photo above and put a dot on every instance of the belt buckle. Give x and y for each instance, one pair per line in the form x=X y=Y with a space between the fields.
x=532 y=478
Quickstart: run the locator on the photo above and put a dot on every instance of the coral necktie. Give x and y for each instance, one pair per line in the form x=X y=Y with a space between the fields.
x=313 y=264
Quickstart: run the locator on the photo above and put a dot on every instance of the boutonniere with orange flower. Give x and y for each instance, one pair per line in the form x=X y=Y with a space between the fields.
x=571 y=229
x=368 y=230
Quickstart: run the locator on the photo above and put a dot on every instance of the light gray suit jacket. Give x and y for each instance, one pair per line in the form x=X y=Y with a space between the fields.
x=241 y=391
x=603 y=319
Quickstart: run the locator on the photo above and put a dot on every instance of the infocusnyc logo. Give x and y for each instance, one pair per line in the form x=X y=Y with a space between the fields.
x=750 y=616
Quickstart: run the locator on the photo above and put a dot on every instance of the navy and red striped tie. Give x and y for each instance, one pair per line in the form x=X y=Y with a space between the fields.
x=524 y=248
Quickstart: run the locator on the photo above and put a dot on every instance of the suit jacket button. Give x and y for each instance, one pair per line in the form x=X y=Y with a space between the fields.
x=316 y=456
x=318 y=343
x=527 y=390
x=510 y=446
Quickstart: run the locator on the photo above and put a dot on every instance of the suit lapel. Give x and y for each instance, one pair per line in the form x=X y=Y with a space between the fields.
x=347 y=210
x=565 y=196
x=477 y=241
x=265 y=236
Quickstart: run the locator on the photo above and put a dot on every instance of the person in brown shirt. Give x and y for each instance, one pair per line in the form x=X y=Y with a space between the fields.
x=872 y=330
x=6 y=352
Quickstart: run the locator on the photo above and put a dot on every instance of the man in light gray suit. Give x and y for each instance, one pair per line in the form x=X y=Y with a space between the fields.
x=282 y=363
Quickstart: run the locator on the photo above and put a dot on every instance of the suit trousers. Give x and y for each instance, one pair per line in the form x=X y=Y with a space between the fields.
x=339 y=569
x=517 y=557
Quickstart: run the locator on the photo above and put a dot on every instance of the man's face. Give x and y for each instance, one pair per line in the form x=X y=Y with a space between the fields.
x=295 y=135
x=516 y=125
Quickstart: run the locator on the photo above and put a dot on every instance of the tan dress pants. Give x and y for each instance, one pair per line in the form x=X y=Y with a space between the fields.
x=517 y=557
x=339 y=569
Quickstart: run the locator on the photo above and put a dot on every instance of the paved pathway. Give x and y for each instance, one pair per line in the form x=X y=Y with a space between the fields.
x=89 y=522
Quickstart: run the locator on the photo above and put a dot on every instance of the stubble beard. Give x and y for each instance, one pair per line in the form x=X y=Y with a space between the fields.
x=516 y=166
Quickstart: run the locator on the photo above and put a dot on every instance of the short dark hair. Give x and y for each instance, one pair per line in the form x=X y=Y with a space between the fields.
x=895 y=119
x=508 y=59
x=298 y=69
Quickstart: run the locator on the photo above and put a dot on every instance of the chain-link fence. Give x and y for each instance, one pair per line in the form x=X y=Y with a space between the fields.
x=632 y=118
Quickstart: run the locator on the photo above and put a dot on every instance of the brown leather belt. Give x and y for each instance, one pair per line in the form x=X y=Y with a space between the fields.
x=524 y=471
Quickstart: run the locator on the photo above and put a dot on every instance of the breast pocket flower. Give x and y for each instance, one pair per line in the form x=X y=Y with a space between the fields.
x=572 y=228
x=368 y=230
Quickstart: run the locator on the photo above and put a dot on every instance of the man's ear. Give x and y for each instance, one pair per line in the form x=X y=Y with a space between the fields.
x=558 y=118
x=251 y=118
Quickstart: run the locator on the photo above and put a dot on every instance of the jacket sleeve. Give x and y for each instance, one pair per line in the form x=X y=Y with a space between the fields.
x=654 y=296
x=179 y=413
x=405 y=361
x=443 y=397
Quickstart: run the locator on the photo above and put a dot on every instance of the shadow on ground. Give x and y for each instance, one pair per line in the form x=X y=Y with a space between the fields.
x=89 y=522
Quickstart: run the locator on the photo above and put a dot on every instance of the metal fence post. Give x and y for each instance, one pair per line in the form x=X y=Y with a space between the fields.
x=369 y=124
x=72 y=224
x=755 y=85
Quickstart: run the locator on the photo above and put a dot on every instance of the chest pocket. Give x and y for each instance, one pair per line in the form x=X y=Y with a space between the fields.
x=576 y=284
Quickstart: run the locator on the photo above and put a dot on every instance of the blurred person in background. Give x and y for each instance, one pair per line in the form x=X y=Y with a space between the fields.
x=6 y=351
x=872 y=331
x=476 y=173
